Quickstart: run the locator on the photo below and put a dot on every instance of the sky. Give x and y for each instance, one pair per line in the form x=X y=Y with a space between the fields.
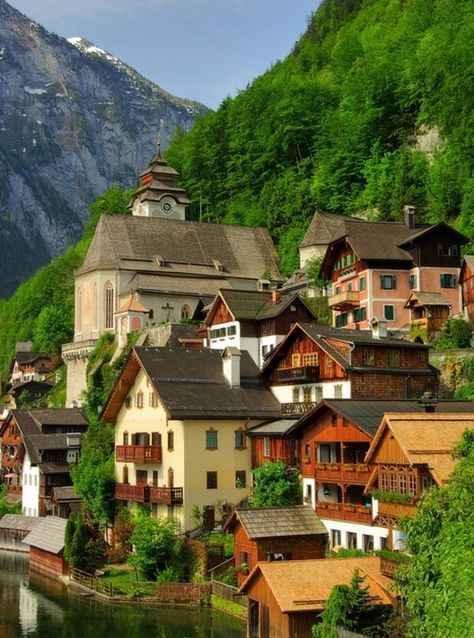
x=203 y=50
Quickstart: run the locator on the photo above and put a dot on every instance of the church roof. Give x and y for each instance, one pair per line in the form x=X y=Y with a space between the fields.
x=241 y=252
x=158 y=180
x=131 y=304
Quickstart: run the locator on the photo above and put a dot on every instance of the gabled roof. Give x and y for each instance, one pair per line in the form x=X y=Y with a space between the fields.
x=426 y=299
x=427 y=229
x=277 y=522
x=368 y=413
x=305 y=585
x=425 y=439
x=253 y=305
x=191 y=384
x=243 y=252
x=322 y=335
x=31 y=424
x=30 y=357
x=19 y=522
x=48 y=535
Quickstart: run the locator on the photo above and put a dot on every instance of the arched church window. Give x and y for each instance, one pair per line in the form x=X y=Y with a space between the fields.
x=79 y=310
x=186 y=312
x=109 y=305
x=94 y=306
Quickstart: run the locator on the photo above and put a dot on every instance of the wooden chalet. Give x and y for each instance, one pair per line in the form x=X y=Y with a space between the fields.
x=30 y=366
x=253 y=321
x=466 y=280
x=316 y=362
x=410 y=453
x=46 y=543
x=37 y=448
x=429 y=311
x=275 y=533
x=285 y=598
x=334 y=439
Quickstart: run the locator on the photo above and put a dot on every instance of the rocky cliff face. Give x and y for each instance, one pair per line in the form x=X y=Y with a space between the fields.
x=73 y=121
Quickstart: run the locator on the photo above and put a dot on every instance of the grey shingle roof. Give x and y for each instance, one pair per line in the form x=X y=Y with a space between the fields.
x=244 y=252
x=271 y=522
x=19 y=522
x=191 y=383
x=277 y=428
x=48 y=535
x=429 y=298
x=65 y=493
x=323 y=228
x=360 y=337
x=30 y=357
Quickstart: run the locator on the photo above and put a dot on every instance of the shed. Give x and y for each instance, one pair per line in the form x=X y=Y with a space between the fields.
x=46 y=541
x=275 y=534
x=285 y=598
x=13 y=529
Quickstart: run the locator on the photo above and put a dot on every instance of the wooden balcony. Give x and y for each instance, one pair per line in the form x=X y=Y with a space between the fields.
x=300 y=373
x=297 y=409
x=132 y=493
x=149 y=494
x=344 y=512
x=346 y=472
x=139 y=453
x=166 y=495
x=346 y=299
x=391 y=510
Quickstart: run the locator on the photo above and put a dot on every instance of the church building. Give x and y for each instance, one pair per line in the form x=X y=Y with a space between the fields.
x=154 y=266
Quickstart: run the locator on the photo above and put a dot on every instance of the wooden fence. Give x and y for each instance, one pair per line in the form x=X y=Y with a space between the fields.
x=229 y=593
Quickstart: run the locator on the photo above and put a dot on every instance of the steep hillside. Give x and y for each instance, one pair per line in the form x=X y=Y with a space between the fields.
x=73 y=120
x=373 y=109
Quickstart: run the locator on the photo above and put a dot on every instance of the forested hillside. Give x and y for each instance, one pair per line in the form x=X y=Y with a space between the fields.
x=373 y=109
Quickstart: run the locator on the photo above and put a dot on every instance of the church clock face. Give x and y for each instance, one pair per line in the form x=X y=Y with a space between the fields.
x=167 y=205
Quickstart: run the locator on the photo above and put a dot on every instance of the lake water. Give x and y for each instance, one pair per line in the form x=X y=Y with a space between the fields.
x=35 y=607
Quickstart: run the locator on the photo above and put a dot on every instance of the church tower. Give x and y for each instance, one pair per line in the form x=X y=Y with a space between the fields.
x=159 y=195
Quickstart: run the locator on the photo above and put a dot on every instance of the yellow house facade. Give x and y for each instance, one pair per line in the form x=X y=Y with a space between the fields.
x=181 y=447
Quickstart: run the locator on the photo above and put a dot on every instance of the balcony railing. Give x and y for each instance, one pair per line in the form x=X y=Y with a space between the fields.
x=348 y=472
x=149 y=494
x=344 y=511
x=166 y=495
x=346 y=299
x=139 y=453
x=132 y=493
x=297 y=409
x=301 y=373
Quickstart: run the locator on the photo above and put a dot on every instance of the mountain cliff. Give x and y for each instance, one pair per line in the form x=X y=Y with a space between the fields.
x=73 y=120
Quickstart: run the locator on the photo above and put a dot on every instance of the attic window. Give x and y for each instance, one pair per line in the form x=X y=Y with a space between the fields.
x=263 y=284
x=128 y=403
x=159 y=260
x=218 y=265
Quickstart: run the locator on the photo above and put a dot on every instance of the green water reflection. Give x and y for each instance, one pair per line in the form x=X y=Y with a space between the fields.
x=36 y=607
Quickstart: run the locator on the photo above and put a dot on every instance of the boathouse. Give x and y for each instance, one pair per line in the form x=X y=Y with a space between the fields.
x=13 y=529
x=46 y=542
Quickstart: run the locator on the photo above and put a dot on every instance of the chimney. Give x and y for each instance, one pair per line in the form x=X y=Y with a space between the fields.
x=428 y=401
x=231 y=366
x=409 y=212
x=379 y=328
x=276 y=296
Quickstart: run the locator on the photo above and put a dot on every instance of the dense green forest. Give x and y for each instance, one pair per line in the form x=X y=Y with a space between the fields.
x=373 y=109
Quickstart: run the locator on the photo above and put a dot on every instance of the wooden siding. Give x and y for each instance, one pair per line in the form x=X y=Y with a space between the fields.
x=328 y=368
x=389 y=451
x=222 y=314
x=49 y=564
x=375 y=385
x=272 y=622
x=281 y=449
x=412 y=358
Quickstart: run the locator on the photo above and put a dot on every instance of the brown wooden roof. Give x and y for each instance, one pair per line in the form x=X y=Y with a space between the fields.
x=275 y=522
x=305 y=585
x=425 y=439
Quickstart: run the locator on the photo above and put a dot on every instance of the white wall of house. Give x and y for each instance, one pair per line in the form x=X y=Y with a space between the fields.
x=30 y=488
x=329 y=390
x=339 y=533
